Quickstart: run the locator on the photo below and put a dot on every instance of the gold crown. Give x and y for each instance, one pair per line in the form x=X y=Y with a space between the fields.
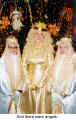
x=12 y=39
x=40 y=25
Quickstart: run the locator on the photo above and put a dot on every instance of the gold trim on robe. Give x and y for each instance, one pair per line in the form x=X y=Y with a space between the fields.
x=37 y=64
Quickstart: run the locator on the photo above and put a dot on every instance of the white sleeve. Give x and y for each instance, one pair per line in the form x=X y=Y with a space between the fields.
x=1 y=71
x=72 y=87
x=3 y=75
x=1 y=68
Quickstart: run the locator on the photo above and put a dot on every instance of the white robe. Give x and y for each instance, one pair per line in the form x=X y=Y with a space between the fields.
x=5 y=90
x=69 y=102
x=66 y=77
x=6 y=94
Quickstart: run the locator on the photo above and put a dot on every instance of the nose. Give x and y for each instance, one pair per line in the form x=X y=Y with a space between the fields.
x=62 y=50
x=39 y=36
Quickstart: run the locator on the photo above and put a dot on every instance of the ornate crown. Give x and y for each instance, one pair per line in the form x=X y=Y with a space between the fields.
x=40 y=26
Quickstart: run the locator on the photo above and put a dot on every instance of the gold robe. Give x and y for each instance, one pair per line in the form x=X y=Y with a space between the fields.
x=37 y=64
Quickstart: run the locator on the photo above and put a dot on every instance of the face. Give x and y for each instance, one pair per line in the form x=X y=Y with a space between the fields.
x=13 y=48
x=39 y=33
x=38 y=36
x=16 y=18
x=65 y=48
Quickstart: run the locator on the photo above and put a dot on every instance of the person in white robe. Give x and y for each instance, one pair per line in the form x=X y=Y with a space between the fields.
x=64 y=79
x=11 y=78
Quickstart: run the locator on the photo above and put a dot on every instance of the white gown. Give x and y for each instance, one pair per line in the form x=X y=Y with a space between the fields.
x=68 y=102
x=6 y=94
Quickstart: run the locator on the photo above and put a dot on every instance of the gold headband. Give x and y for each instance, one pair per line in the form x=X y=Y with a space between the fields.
x=12 y=40
x=65 y=40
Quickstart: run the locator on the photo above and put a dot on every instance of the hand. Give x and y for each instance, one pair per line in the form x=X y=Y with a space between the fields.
x=12 y=107
x=63 y=92
x=49 y=88
x=57 y=108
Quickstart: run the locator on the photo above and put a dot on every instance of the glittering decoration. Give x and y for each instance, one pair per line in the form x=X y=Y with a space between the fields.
x=69 y=16
x=53 y=29
x=4 y=23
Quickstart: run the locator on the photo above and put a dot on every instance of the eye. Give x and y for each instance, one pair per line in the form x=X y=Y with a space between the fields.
x=13 y=19
x=44 y=29
x=66 y=47
x=36 y=28
x=12 y=47
x=18 y=18
x=60 y=47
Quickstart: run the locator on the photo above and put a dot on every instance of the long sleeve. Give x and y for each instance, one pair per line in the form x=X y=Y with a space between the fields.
x=72 y=87
x=69 y=102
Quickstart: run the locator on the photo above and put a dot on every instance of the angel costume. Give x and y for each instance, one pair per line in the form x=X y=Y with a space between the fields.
x=37 y=64
x=64 y=83
x=10 y=78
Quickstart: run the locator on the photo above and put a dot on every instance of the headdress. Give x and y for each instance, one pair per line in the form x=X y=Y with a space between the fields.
x=12 y=40
x=40 y=25
x=65 y=40
x=15 y=12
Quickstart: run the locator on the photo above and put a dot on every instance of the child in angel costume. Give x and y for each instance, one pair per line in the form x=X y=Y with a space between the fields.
x=37 y=63
x=10 y=77
x=64 y=78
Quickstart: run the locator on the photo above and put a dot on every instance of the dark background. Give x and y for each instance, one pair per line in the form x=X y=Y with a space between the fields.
x=48 y=11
